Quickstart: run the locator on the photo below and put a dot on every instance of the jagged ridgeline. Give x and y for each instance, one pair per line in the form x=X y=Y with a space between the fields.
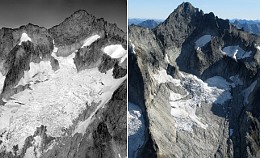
x=194 y=87
x=63 y=89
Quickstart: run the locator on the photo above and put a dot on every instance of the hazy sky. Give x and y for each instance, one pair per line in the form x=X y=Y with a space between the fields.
x=47 y=13
x=227 y=9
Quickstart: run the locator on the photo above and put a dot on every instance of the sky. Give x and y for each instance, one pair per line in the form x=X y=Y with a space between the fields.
x=226 y=9
x=47 y=13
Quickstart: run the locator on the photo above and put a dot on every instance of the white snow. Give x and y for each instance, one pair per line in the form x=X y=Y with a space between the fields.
x=55 y=102
x=110 y=86
x=257 y=47
x=115 y=51
x=55 y=48
x=214 y=90
x=136 y=129
x=24 y=38
x=248 y=91
x=90 y=40
x=236 y=52
x=39 y=72
x=202 y=41
x=167 y=59
x=133 y=46
x=2 y=80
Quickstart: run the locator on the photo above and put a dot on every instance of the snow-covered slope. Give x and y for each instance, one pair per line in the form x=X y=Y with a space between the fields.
x=116 y=51
x=214 y=90
x=202 y=41
x=236 y=52
x=24 y=38
x=90 y=40
x=54 y=99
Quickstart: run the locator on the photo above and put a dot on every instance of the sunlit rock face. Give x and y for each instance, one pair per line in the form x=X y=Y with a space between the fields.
x=62 y=97
x=194 y=81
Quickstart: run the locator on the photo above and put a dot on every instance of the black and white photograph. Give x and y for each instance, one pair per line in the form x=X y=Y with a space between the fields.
x=63 y=79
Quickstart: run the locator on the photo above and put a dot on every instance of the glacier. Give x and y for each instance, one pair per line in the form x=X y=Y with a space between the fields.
x=56 y=101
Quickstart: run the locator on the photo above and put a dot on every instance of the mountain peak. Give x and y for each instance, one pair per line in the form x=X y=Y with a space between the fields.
x=186 y=7
x=80 y=13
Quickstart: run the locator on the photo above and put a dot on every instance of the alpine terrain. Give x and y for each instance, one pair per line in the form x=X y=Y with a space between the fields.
x=63 y=90
x=248 y=25
x=194 y=88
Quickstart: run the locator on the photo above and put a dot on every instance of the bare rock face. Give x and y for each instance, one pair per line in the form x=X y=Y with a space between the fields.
x=61 y=97
x=199 y=86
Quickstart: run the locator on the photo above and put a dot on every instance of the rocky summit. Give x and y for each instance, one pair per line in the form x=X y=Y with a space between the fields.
x=63 y=90
x=193 y=88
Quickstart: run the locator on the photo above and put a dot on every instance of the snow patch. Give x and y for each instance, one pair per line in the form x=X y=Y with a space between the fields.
x=257 y=47
x=115 y=51
x=136 y=129
x=235 y=52
x=219 y=82
x=248 y=91
x=133 y=46
x=2 y=81
x=167 y=59
x=202 y=41
x=24 y=38
x=90 y=40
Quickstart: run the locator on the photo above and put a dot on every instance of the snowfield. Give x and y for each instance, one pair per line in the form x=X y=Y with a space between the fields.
x=54 y=100
x=202 y=41
x=214 y=90
x=24 y=38
x=136 y=129
x=235 y=52
x=90 y=40
x=116 y=51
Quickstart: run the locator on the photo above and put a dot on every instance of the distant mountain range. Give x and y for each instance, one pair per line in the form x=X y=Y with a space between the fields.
x=251 y=26
x=148 y=23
